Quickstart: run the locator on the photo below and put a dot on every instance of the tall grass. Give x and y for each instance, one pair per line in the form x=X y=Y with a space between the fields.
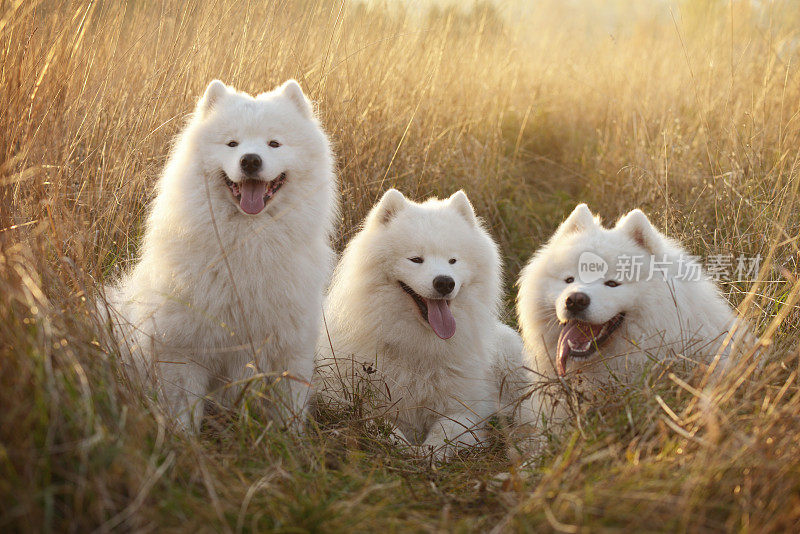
x=688 y=109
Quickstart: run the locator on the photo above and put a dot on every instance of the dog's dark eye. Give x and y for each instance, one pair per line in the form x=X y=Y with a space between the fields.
x=416 y=259
x=233 y=143
x=612 y=283
x=452 y=261
x=274 y=144
x=569 y=279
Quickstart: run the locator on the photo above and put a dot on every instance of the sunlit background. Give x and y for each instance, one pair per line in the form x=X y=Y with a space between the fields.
x=687 y=109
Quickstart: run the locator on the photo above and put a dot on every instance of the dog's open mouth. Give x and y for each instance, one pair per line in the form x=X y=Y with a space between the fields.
x=436 y=313
x=253 y=195
x=579 y=339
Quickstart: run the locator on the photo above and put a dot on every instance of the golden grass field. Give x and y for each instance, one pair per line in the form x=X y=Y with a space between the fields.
x=687 y=109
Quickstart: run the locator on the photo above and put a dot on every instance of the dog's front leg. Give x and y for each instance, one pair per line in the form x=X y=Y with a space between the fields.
x=291 y=394
x=183 y=385
x=298 y=393
x=453 y=433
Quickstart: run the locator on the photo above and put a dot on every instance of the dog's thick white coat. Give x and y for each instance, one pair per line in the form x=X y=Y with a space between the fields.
x=511 y=378
x=669 y=311
x=218 y=294
x=434 y=390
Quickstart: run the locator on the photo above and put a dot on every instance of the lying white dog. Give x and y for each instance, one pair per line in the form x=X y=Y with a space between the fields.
x=596 y=305
x=412 y=322
x=596 y=302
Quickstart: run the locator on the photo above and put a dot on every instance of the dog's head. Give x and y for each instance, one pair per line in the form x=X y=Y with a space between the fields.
x=257 y=148
x=436 y=259
x=588 y=281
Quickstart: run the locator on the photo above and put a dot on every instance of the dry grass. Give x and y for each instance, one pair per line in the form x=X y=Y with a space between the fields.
x=692 y=113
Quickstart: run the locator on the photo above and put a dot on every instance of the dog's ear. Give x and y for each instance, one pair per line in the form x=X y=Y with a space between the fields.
x=579 y=220
x=459 y=202
x=385 y=210
x=215 y=92
x=638 y=227
x=291 y=90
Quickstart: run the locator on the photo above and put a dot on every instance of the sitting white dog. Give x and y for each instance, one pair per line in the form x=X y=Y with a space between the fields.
x=235 y=254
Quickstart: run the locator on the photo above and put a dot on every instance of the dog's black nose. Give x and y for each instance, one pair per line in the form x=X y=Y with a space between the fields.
x=250 y=163
x=577 y=302
x=443 y=284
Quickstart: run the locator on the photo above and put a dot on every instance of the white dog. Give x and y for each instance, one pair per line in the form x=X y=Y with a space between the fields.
x=597 y=303
x=235 y=254
x=412 y=318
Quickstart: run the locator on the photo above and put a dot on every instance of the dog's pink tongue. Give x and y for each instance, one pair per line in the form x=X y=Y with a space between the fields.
x=574 y=334
x=440 y=318
x=253 y=192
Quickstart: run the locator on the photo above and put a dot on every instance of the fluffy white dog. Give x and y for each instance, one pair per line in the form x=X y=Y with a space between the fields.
x=597 y=303
x=412 y=321
x=235 y=254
